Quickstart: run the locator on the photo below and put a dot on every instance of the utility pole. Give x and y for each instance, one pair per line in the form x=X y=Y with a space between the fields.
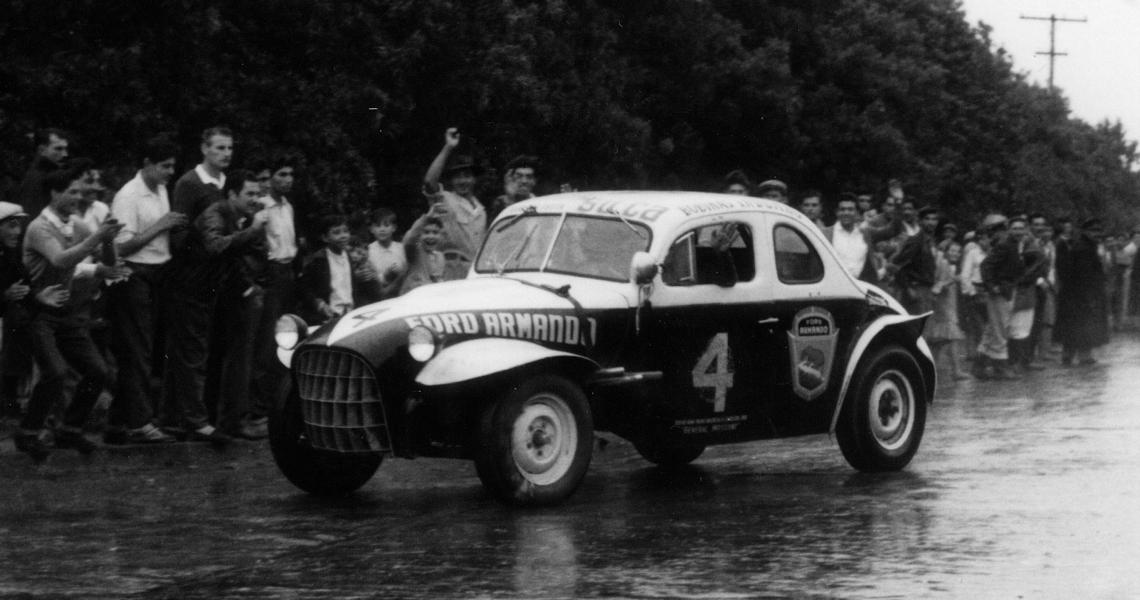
x=1052 y=53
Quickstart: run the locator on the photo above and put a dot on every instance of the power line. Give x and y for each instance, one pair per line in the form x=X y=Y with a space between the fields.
x=1052 y=53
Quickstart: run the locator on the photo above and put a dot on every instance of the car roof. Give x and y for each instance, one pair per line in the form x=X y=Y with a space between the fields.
x=659 y=210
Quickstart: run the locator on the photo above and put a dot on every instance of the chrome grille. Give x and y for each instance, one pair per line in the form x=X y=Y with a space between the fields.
x=340 y=402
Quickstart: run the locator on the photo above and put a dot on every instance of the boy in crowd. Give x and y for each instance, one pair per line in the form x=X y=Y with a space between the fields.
x=54 y=248
x=426 y=264
x=386 y=255
x=332 y=282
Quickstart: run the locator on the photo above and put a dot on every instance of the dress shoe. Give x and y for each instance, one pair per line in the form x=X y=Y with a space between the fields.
x=32 y=444
x=74 y=439
x=148 y=434
x=209 y=433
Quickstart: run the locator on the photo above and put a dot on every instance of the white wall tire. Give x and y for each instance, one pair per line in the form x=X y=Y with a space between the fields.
x=536 y=442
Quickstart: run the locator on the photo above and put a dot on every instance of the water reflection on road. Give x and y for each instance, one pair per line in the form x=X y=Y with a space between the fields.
x=1021 y=489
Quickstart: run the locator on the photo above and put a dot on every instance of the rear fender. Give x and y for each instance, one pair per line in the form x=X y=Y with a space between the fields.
x=904 y=329
x=484 y=357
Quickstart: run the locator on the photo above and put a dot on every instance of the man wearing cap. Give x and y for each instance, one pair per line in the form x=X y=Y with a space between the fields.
x=143 y=207
x=465 y=222
x=914 y=266
x=1001 y=270
x=1082 y=303
x=14 y=309
x=518 y=184
x=773 y=189
x=51 y=153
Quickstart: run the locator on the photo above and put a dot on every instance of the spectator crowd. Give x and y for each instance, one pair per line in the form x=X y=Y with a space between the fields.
x=160 y=300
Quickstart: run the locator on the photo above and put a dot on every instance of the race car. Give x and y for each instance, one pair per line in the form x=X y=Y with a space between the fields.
x=674 y=320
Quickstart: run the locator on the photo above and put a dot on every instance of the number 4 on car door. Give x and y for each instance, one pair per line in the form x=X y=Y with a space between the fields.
x=714 y=371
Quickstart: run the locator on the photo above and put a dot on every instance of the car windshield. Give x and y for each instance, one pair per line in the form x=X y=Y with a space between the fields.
x=571 y=244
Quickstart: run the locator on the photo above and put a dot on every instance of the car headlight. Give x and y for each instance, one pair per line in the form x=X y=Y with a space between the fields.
x=422 y=343
x=289 y=331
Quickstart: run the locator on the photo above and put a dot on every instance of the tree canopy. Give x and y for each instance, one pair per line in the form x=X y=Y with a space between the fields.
x=657 y=94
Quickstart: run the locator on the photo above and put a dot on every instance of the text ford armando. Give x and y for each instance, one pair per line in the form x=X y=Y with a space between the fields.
x=674 y=320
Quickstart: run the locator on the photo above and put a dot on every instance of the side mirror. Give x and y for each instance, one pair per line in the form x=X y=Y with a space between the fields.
x=642 y=268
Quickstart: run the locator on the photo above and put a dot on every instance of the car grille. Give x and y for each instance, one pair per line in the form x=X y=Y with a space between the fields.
x=340 y=402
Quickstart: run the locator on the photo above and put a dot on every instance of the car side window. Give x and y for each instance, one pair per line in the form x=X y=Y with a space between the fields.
x=720 y=254
x=796 y=259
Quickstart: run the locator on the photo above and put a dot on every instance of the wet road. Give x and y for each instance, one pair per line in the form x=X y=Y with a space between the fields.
x=1021 y=490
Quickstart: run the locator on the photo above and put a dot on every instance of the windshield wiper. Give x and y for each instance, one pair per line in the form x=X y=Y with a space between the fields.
x=614 y=212
x=517 y=252
x=530 y=210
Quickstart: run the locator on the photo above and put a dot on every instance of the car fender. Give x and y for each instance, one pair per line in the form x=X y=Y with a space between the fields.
x=910 y=328
x=479 y=358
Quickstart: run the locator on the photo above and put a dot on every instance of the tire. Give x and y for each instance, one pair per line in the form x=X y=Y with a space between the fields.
x=669 y=455
x=881 y=424
x=318 y=472
x=535 y=442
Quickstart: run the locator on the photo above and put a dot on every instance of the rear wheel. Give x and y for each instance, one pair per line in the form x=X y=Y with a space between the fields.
x=536 y=442
x=319 y=472
x=882 y=421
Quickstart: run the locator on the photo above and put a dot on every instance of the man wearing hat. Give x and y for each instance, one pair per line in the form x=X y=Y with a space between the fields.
x=773 y=189
x=16 y=361
x=1001 y=270
x=914 y=266
x=465 y=220
x=518 y=184
x=1082 y=303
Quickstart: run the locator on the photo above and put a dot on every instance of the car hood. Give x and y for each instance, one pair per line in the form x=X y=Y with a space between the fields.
x=465 y=303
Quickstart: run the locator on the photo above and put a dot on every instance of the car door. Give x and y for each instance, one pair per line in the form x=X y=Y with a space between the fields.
x=812 y=311
x=702 y=334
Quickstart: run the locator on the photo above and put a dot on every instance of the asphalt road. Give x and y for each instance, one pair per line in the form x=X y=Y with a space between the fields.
x=1023 y=489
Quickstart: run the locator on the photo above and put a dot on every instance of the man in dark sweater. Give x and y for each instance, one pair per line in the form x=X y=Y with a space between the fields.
x=192 y=291
x=1002 y=269
x=914 y=265
x=51 y=153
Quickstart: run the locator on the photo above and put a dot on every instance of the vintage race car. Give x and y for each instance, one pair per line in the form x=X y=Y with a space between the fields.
x=673 y=320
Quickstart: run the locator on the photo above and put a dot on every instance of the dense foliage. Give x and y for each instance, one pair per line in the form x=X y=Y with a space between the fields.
x=611 y=93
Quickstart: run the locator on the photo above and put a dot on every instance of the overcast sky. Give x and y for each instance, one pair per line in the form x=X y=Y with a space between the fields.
x=1101 y=74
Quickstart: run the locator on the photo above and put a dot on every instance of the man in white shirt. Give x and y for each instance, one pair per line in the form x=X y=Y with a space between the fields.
x=854 y=242
x=142 y=206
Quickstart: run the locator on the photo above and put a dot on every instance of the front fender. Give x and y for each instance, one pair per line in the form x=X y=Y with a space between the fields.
x=479 y=358
x=905 y=327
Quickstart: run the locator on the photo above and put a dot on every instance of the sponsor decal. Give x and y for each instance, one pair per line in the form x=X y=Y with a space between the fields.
x=811 y=342
x=552 y=328
x=630 y=210
x=710 y=424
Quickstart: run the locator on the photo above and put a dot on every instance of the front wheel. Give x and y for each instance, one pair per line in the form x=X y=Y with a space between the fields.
x=882 y=421
x=535 y=442
x=319 y=472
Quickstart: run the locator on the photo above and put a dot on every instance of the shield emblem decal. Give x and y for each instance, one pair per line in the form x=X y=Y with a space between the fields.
x=811 y=342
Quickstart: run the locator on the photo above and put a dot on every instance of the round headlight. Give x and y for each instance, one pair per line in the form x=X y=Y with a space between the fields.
x=289 y=331
x=421 y=343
